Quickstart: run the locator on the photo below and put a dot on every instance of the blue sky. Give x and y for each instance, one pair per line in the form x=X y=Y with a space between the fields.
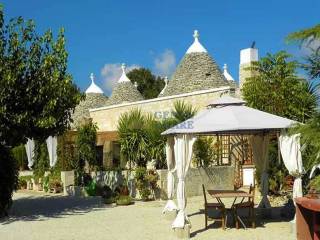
x=101 y=34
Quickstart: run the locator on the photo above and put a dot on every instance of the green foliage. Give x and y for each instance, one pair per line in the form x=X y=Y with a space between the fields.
x=306 y=36
x=66 y=154
x=124 y=200
x=37 y=94
x=109 y=200
x=46 y=186
x=156 y=142
x=277 y=171
x=146 y=181
x=152 y=178
x=86 y=149
x=140 y=135
x=149 y=85
x=91 y=188
x=204 y=153
x=133 y=137
x=23 y=180
x=8 y=179
x=315 y=184
x=277 y=89
x=310 y=140
x=20 y=155
x=22 y=184
x=142 y=183
x=41 y=160
x=309 y=38
x=183 y=111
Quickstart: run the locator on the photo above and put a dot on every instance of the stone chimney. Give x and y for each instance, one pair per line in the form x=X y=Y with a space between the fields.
x=247 y=56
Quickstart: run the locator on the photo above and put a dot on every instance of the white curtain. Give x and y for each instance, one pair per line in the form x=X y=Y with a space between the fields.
x=170 y=206
x=52 y=150
x=30 y=152
x=183 y=153
x=260 y=151
x=291 y=155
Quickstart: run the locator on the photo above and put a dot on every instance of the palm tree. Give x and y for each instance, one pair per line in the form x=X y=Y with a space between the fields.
x=183 y=111
x=133 y=137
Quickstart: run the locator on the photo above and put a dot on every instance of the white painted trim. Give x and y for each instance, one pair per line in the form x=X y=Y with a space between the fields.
x=162 y=98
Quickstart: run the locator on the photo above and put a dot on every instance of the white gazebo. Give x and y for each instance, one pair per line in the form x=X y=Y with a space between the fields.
x=228 y=115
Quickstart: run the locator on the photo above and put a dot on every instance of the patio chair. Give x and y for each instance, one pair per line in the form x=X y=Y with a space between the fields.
x=249 y=204
x=216 y=206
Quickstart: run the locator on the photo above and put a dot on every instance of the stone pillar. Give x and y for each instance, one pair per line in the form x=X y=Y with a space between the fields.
x=247 y=56
x=107 y=154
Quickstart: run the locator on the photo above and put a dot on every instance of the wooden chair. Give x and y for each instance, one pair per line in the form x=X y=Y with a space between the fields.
x=249 y=204
x=216 y=206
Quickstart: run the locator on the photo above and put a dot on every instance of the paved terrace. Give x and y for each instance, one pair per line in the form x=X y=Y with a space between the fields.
x=40 y=217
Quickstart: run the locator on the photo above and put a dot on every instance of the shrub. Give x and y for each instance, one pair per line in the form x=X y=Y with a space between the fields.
x=152 y=178
x=105 y=192
x=86 y=147
x=91 y=188
x=314 y=184
x=56 y=185
x=109 y=200
x=23 y=181
x=277 y=171
x=124 y=200
x=41 y=160
x=46 y=186
x=144 y=193
x=8 y=179
x=20 y=155
x=22 y=184
x=146 y=180
x=204 y=153
x=66 y=154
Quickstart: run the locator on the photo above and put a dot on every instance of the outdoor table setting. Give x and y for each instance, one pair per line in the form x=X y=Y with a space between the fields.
x=235 y=194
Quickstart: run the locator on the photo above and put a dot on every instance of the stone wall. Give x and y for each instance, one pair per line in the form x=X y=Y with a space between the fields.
x=107 y=117
x=220 y=177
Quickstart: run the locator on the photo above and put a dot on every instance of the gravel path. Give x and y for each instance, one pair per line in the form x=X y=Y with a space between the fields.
x=42 y=217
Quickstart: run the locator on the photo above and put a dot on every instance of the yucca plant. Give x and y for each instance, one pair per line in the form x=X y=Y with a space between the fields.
x=183 y=111
x=133 y=137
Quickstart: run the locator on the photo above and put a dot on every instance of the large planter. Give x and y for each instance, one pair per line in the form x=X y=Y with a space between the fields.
x=67 y=179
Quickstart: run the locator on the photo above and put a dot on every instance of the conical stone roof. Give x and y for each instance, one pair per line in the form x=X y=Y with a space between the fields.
x=196 y=71
x=124 y=91
x=94 y=99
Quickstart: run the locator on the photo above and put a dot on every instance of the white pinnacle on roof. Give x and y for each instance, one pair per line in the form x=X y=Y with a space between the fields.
x=226 y=73
x=93 y=88
x=196 y=46
x=123 y=77
x=165 y=86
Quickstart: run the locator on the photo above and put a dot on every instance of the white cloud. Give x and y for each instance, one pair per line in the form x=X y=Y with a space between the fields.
x=111 y=73
x=165 y=63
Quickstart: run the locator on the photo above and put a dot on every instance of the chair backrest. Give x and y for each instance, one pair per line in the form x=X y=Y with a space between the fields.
x=204 y=194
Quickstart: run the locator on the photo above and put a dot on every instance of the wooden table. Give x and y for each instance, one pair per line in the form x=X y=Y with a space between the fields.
x=228 y=194
x=308 y=218
x=218 y=194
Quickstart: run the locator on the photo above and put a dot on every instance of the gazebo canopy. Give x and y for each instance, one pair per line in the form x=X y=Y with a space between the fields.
x=229 y=115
